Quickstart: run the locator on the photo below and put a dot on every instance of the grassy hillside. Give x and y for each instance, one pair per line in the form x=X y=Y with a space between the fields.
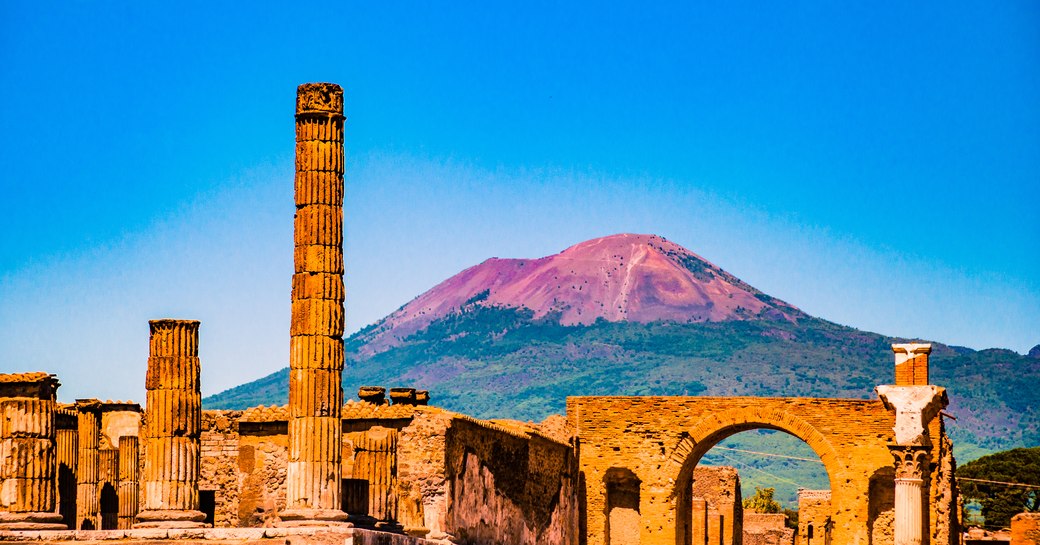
x=494 y=362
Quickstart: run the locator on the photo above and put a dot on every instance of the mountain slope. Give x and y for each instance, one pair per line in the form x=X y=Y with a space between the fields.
x=626 y=277
x=506 y=339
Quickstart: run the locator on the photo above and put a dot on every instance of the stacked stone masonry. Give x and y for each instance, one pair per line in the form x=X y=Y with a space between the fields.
x=170 y=483
x=28 y=458
x=316 y=328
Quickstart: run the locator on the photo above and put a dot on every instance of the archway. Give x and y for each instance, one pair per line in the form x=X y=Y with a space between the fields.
x=708 y=432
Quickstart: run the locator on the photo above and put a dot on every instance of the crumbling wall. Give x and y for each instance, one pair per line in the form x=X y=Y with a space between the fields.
x=218 y=469
x=719 y=486
x=946 y=526
x=421 y=486
x=508 y=486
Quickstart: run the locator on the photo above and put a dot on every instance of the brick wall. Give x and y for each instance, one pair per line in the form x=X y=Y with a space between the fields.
x=660 y=439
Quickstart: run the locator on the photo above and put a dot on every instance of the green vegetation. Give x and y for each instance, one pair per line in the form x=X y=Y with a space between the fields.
x=762 y=501
x=1000 y=502
x=502 y=363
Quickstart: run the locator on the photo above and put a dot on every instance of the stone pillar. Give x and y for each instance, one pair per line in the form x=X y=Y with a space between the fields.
x=911 y=363
x=915 y=407
x=912 y=470
x=715 y=524
x=699 y=524
x=129 y=480
x=173 y=421
x=88 y=412
x=316 y=334
x=108 y=488
x=67 y=422
x=27 y=452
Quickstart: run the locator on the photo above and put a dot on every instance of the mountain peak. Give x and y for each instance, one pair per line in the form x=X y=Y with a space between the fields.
x=622 y=277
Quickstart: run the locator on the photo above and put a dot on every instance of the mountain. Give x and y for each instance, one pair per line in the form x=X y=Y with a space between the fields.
x=634 y=278
x=638 y=315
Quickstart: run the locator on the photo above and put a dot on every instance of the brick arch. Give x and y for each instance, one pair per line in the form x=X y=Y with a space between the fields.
x=709 y=431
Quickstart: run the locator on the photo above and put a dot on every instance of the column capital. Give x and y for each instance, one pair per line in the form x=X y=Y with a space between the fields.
x=915 y=407
x=911 y=461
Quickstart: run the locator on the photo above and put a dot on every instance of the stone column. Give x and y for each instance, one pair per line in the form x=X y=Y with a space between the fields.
x=316 y=335
x=27 y=452
x=915 y=407
x=129 y=480
x=67 y=422
x=88 y=412
x=911 y=524
x=108 y=488
x=173 y=421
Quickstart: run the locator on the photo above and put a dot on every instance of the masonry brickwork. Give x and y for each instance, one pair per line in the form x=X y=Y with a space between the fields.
x=660 y=440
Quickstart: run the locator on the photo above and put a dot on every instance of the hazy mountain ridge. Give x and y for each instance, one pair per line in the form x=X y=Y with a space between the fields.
x=479 y=351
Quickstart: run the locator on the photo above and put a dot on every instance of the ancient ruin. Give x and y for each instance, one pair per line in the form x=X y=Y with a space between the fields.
x=390 y=468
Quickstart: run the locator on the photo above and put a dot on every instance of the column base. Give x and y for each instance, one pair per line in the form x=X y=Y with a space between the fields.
x=171 y=518
x=313 y=517
x=31 y=521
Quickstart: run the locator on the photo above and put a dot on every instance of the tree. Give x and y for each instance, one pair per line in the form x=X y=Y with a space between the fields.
x=1000 y=502
x=763 y=502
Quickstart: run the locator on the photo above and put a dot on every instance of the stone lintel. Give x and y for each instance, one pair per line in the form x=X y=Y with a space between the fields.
x=915 y=407
x=37 y=385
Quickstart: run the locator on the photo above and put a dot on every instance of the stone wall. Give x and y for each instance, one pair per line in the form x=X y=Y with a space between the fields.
x=814 y=517
x=660 y=440
x=508 y=485
x=219 y=471
x=720 y=488
x=1025 y=529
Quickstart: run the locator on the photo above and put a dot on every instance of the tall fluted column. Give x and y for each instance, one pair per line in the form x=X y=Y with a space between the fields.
x=67 y=422
x=912 y=470
x=129 y=481
x=88 y=412
x=173 y=421
x=316 y=334
x=27 y=452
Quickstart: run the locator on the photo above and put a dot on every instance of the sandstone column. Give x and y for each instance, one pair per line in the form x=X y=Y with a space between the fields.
x=27 y=452
x=129 y=480
x=915 y=406
x=316 y=334
x=173 y=421
x=699 y=526
x=88 y=412
x=67 y=422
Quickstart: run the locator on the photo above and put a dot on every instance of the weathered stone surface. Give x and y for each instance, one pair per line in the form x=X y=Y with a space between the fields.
x=89 y=440
x=915 y=407
x=313 y=491
x=1025 y=529
x=129 y=480
x=170 y=483
x=28 y=452
x=911 y=363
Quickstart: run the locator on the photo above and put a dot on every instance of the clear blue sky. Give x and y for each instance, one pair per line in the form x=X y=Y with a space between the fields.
x=877 y=165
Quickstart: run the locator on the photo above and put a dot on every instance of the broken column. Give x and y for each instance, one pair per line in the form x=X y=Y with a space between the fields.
x=129 y=480
x=27 y=452
x=173 y=420
x=911 y=363
x=88 y=412
x=316 y=334
x=914 y=406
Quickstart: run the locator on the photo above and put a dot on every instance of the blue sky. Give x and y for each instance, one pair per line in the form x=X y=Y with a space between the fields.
x=877 y=165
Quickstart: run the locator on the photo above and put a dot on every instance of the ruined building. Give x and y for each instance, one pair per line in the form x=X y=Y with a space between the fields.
x=390 y=467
